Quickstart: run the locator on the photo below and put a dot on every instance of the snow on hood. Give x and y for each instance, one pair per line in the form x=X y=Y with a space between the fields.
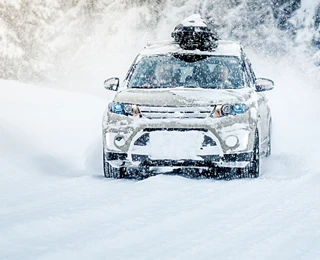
x=182 y=96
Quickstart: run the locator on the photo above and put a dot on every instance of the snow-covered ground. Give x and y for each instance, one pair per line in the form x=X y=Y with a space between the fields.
x=55 y=204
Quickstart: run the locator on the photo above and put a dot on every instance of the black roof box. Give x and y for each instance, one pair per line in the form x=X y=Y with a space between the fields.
x=195 y=33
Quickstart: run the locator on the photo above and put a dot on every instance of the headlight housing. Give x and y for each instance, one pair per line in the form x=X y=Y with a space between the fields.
x=124 y=109
x=228 y=109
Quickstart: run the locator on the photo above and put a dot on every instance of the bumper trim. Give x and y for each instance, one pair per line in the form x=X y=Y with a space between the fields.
x=239 y=160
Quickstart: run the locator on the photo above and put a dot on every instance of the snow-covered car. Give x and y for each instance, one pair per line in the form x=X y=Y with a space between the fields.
x=187 y=111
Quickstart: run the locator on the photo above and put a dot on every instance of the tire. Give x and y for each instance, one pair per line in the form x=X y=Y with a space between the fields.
x=113 y=172
x=269 y=147
x=254 y=166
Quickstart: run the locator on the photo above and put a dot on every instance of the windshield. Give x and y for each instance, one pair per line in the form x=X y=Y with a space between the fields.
x=187 y=70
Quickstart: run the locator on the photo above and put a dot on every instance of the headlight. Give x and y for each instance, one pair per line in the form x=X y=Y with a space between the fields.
x=124 y=109
x=227 y=110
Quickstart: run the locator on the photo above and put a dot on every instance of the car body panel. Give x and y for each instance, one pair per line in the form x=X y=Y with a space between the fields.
x=187 y=112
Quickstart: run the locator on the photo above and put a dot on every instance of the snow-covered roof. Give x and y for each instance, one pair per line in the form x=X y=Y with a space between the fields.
x=225 y=48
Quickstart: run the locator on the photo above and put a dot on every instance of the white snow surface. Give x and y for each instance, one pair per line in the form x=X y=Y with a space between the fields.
x=55 y=204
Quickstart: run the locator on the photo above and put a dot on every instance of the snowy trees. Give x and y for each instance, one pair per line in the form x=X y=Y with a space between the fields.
x=316 y=38
x=26 y=27
x=283 y=11
x=32 y=33
x=11 y=52
x=37 y=35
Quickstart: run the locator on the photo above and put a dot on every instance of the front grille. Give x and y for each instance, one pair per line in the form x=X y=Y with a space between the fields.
x=153 y=112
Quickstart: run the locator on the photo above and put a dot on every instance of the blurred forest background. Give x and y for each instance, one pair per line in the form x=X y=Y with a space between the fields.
x=43 y=40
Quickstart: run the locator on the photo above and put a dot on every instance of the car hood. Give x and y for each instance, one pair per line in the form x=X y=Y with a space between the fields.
x=182 y=96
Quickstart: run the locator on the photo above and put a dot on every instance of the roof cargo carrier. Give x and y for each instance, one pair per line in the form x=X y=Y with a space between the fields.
x=195 y=33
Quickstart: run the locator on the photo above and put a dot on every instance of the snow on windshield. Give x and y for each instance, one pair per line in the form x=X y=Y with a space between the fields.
x=187 y=70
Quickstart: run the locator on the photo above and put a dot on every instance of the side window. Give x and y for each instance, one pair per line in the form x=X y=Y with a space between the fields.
x=251 y=70
x=246 y=75
x=249 y=75
x=131 y=69
x=247 y=78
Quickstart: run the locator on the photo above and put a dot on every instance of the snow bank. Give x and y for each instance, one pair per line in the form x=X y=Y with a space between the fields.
x=49 y=130
x=55 y=203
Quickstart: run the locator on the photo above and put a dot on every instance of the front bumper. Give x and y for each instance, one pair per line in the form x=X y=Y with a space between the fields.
x=232 y=134
x=212 y=144
x=183 y=148
x=240 y=160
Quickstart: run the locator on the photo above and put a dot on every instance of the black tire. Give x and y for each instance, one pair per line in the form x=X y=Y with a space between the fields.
x=254 y=166
x=113 y=172
x=269 y=147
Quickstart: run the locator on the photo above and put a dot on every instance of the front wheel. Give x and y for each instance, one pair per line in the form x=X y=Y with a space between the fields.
x=113 y=172
x=254 y=166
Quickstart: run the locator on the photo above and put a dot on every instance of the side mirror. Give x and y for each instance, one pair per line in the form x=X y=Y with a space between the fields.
x=263 y=84
x=112 y=84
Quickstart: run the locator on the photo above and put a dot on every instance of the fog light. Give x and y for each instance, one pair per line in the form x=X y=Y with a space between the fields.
x=119 y=141
x=232 y=141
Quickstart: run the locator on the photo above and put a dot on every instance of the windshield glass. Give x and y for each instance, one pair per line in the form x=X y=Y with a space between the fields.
x=187 y=70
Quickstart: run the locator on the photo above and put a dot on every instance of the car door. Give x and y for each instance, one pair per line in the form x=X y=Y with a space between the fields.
x=261 y=99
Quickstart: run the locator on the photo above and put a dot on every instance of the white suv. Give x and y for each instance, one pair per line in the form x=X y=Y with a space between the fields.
x=187 y=111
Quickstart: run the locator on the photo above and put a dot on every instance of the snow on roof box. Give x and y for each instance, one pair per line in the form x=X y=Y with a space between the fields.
x=195 y=33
